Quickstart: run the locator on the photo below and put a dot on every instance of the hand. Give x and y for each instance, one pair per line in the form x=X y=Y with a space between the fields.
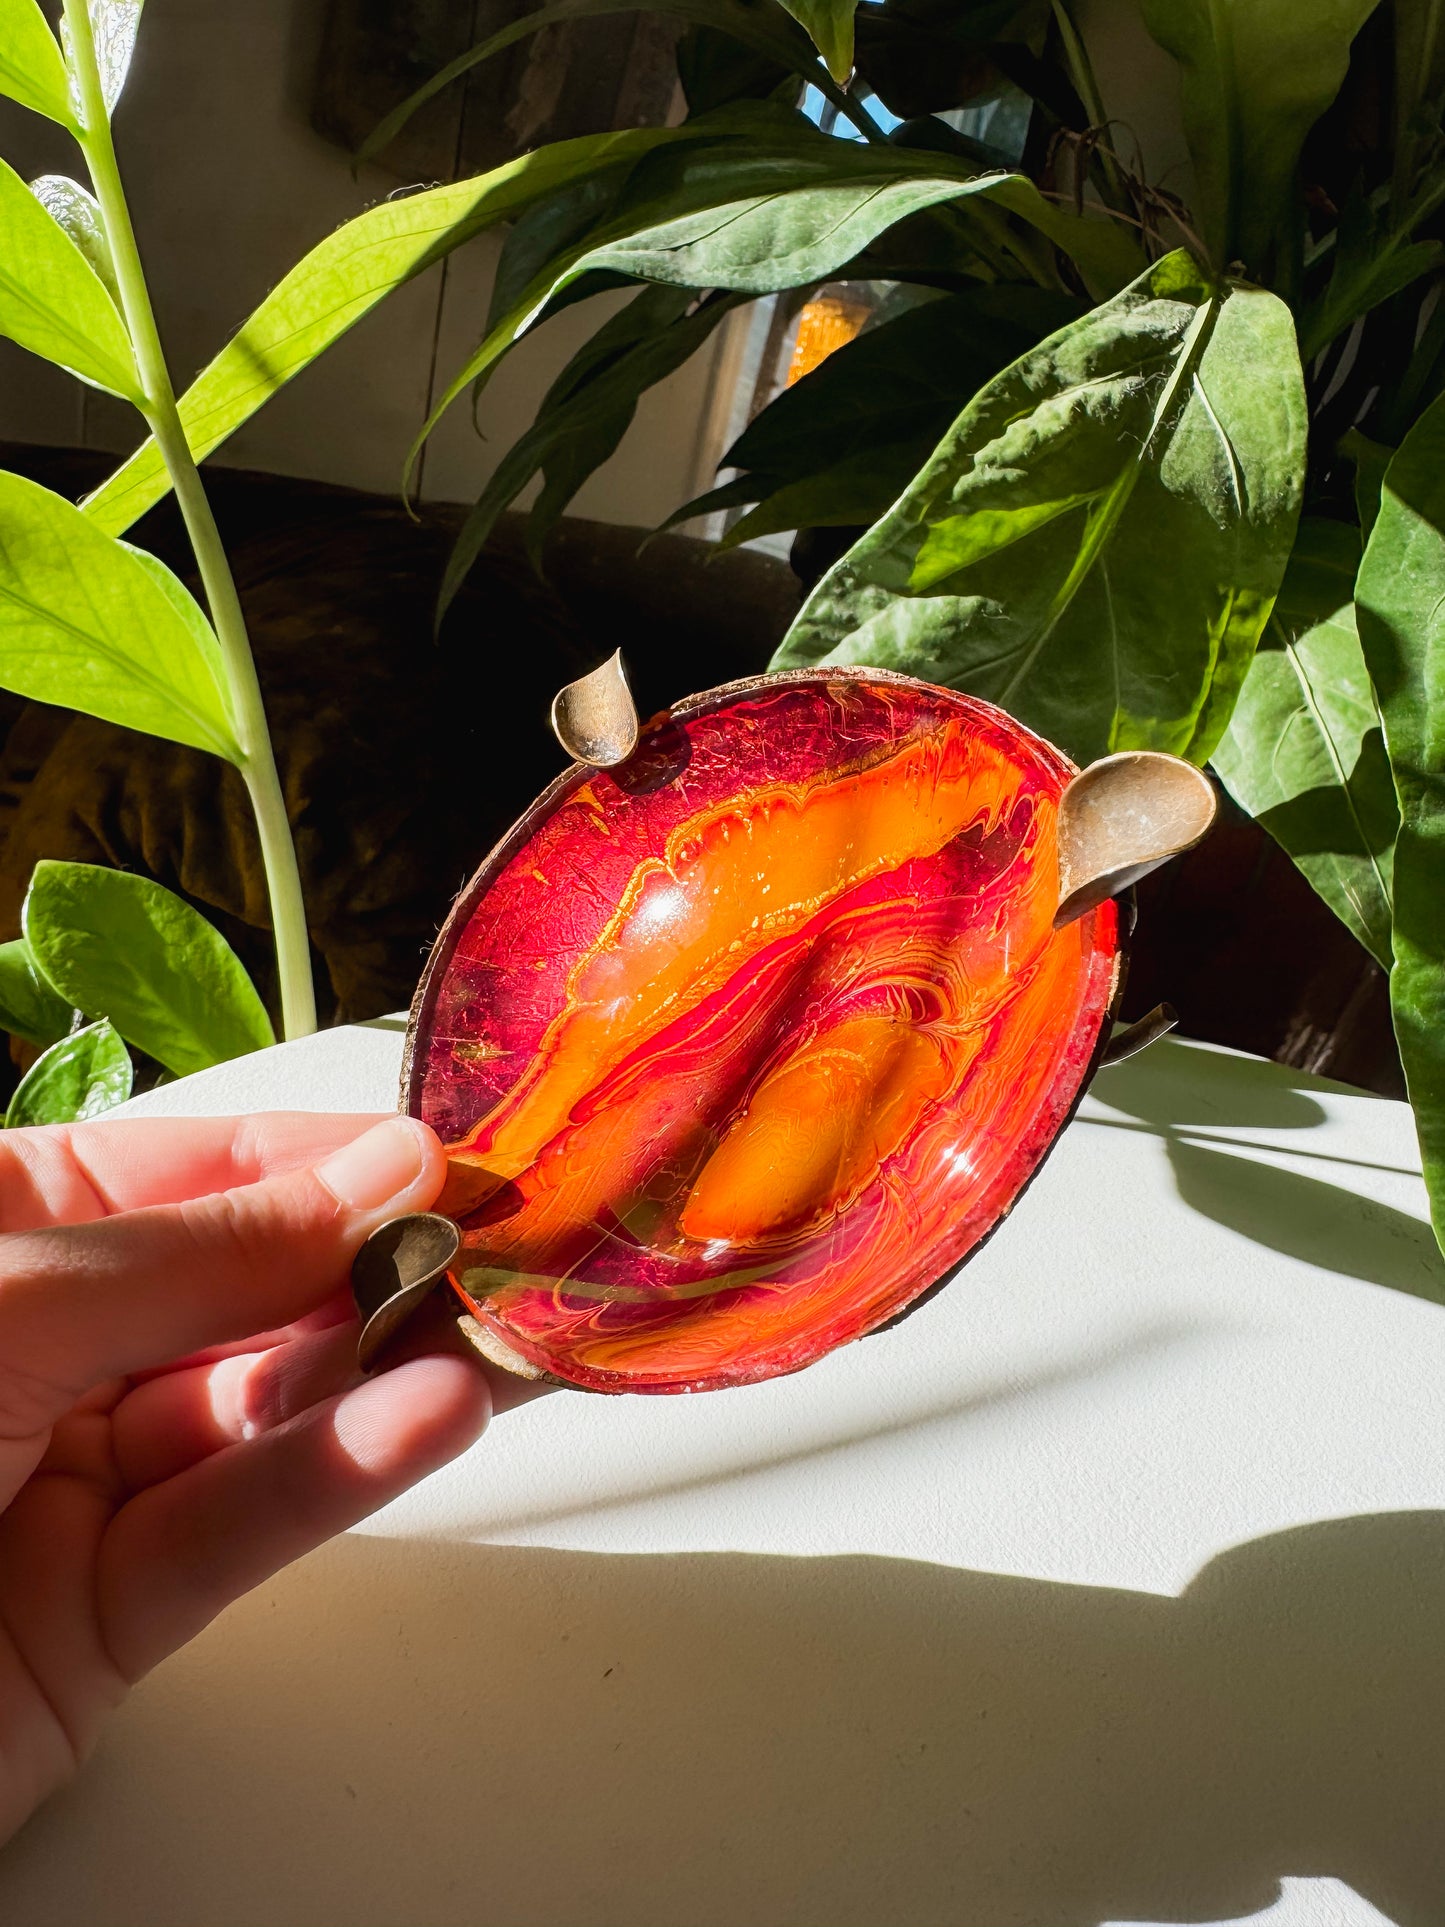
x=140 y=1497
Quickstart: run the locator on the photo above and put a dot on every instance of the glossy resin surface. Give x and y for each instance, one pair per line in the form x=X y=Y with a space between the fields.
x=741 y=1046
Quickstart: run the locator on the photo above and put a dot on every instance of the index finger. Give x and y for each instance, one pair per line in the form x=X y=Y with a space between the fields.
x=75 y=1173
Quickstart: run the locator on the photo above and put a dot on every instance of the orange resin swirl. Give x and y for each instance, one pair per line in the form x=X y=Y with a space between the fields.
x=739 y=1049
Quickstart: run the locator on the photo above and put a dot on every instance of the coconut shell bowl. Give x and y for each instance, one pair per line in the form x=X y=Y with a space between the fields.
x=759 y=1021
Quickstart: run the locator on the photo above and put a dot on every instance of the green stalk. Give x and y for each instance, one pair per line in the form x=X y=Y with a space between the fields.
x=258 y=763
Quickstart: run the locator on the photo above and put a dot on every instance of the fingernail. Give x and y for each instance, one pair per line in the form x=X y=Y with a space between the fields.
x=371 y=1170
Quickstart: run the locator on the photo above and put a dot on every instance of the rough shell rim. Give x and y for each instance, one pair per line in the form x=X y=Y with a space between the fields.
x=576 y=776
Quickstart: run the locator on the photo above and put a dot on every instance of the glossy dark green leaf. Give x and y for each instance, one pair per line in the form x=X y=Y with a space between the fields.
x=1255 y=77
x=51 y=299
x=126 y=948
x=29 y=1006
x=1098 y=540
x=584 y=416
x=84 y=1075
x=1374 y=258
x=1400 y=596
x=31 y=68
x=1304 y=752
x=1419 y=80
x=852 y=493
x=829 y=25
x=75 y=209
x=91 y=624
x=760 y=201
x=1371 y=459
x=714 y=69
x=338 y=282
x=842 y=444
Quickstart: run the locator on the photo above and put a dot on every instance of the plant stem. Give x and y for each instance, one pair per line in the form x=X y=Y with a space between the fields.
x=248 y=714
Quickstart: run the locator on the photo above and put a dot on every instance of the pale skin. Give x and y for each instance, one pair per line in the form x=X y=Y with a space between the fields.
x=180 y=1413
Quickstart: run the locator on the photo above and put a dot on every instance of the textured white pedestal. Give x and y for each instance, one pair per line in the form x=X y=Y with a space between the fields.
x=1109 y=1588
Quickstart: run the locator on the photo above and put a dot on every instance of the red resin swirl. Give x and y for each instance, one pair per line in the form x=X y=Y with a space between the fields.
x=740 y=1048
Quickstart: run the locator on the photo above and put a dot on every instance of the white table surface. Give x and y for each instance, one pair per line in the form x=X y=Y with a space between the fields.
x=1108 y=1588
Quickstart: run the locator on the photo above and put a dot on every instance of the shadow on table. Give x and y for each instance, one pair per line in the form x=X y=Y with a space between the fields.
x=1183 y=1095
x=447 y=1733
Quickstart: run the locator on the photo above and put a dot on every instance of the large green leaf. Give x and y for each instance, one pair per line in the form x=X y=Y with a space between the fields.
x=1304 y=752
x=123 y=947
x=31 y=68
x=338 y=282
x=584 y=416
x=1255 y=77
x=829 y=25
x=82 y=1076
x=1400 y=595
x=29 y=1006
x=51 y=299
x=91 y=624
x=765 y=202
x=1097 y=542
x=841 y=445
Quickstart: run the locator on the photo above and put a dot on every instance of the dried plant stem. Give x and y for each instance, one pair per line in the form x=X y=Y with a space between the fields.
x=258 y=763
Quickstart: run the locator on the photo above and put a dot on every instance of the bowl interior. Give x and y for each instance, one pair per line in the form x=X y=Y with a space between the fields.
x=739 y=1047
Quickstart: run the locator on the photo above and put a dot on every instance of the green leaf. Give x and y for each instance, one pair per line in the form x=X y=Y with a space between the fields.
x=51 y=299
x=123 y=947
x=338 y=282
x=1304 y=752
x=76 y=210
x=829 y=25
x=94 y=625
x=843 y=443
x=114 y=25
x=584 y=416
x=29 y=1006
x=82 y=1076
x=758 y=24
x=766 y=202
x=1374 y=258
x=32 y=69
x=1400 y=596
x=1255 y=77
x=1371 y=459
x=1096 y=544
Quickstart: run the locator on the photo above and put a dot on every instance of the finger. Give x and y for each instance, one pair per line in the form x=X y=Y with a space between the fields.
x=178 y=1554
x=83 y=1303
x=172 y=1422
x=338 y=1309
x=74 y=1173
x=175 y=1419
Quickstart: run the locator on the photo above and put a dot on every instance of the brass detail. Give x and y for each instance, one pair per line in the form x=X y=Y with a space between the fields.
x=1121 y=818
x=594 y=718
x=1138 y=1036
x=398 y=1267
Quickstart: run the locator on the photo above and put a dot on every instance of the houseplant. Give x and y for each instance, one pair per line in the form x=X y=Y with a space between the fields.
x=1286 y=338
x=1148 y=473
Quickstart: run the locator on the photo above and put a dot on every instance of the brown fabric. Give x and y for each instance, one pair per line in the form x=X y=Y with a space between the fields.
x=403 y=757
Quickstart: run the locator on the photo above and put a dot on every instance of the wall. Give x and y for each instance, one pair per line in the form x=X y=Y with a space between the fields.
x=229 y=187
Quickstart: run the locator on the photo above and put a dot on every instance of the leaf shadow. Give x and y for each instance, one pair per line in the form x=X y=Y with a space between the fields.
x=404 y=1732
x=1174 y=1083
x=1320 y=1224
